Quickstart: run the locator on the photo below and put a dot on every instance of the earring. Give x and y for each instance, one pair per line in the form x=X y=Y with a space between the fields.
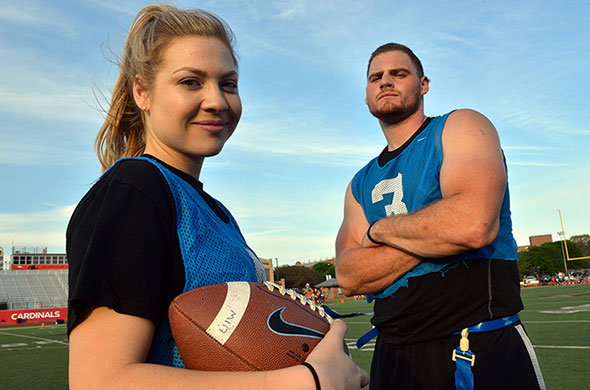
x=144 y=108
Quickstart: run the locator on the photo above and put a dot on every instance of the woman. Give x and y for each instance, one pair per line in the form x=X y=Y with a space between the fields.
x=147 y=231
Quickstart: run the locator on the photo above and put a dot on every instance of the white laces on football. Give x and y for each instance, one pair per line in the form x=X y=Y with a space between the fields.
x=287 y=291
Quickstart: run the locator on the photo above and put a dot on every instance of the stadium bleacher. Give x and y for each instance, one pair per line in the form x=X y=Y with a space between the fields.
x=35 y=289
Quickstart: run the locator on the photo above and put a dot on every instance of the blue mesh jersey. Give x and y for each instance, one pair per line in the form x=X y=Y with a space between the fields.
x=212 y=251
x=410 y=182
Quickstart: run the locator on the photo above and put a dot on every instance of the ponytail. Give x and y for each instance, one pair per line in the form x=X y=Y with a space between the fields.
x=123 y=134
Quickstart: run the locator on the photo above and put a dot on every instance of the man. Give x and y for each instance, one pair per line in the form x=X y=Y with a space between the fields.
x=309 y=292
x=427 y=235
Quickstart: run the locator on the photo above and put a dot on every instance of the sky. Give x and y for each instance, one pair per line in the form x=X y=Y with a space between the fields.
x=305 y=129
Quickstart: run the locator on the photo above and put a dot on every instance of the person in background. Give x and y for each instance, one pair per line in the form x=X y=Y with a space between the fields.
x=309 y=293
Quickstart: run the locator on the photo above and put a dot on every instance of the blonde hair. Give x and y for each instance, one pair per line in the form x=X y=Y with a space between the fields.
x=154 y=26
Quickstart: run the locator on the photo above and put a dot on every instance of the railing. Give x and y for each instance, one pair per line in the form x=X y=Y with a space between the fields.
x=26 y=304
x=28 y=290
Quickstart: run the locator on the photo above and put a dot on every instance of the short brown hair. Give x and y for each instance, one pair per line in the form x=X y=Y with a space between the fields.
x=397 y=47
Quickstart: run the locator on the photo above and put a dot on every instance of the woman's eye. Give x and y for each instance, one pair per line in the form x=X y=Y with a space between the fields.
x=230 y=85
x=191 y=83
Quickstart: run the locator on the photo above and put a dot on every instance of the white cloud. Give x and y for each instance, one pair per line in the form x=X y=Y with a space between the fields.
x=306 y=148
x=31 y=152
x=301 y=227
x=39 y=229
x=117 y=7
x=314 y=54
x=54 y=240
x=57 y=104
x=303 y=135
x=535 y=203
x=36 y=220
x=537 y=164
x=530 y=148
x=20 y=13
x=532 y=115
x=37 y=15
x=48 y=116
x=290 y=249
x=52 y=96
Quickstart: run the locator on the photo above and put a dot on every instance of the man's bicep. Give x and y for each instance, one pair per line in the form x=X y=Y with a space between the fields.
x=473 y=176
x=354 y=224
x=473 y=163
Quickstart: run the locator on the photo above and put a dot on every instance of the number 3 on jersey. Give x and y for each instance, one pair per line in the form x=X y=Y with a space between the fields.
x=391 y=186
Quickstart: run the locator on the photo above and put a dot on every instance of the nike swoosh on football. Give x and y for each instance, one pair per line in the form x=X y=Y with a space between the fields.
x=278 y=325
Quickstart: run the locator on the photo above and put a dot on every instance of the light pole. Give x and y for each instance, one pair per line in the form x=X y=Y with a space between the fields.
x=562 y=251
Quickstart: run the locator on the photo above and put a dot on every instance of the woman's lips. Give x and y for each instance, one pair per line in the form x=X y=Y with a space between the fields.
x=211 y=126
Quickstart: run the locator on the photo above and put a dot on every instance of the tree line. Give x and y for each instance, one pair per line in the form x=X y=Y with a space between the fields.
x=547 y=259
x=297 y=275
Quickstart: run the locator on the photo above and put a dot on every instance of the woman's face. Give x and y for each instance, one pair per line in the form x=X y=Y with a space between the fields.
x=193 y=105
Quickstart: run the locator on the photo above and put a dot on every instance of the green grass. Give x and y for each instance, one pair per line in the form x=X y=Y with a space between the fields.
x=556 y=318
x=33 y=358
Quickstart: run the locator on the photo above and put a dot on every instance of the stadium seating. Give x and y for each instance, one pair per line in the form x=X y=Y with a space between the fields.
x=36 y=289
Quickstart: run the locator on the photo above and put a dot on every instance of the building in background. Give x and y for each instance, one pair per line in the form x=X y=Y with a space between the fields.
x=536 y=241
x=25 y=258
x=540 y=239
x=268 y=267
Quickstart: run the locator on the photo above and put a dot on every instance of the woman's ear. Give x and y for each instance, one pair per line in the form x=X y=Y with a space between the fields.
x=140 y=93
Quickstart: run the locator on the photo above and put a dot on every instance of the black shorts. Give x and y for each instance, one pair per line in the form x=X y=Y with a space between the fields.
x=504 y=359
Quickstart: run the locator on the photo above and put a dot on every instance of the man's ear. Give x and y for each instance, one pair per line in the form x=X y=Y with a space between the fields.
x=140 y=93
x=425 y=85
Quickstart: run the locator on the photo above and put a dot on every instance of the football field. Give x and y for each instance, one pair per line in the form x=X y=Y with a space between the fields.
x=557 y=319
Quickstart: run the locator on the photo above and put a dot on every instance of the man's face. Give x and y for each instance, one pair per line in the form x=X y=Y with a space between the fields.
x=394 y=89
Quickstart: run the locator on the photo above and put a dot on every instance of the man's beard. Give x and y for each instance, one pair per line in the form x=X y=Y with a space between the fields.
x=392 y=114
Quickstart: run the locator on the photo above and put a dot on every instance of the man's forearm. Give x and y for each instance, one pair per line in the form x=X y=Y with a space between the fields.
x=442 y=229
x=370 y=270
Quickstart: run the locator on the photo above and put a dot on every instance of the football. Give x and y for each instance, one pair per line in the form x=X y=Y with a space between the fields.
x=245 y=326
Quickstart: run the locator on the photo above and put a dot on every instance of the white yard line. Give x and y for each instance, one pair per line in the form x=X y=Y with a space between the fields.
x=13 y=345
x=35 y=338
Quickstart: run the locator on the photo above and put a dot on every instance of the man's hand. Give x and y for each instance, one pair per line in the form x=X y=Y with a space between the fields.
x=367 y=243
x=362 y=267
x=472 y=183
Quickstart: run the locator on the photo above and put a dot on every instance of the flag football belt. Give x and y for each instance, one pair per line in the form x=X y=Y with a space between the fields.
x=465 y=358
x=462 y=355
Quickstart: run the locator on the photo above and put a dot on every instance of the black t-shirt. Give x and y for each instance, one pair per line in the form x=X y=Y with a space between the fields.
x=440 y=303
x=122 y=243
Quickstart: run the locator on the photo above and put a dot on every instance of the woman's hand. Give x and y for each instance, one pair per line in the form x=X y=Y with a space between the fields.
x=334 y=367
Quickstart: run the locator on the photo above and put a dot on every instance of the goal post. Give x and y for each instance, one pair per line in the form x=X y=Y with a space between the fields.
x=565 y=242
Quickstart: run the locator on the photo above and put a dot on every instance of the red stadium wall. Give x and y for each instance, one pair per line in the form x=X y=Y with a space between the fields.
x=36 y=316
x=21 y=267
